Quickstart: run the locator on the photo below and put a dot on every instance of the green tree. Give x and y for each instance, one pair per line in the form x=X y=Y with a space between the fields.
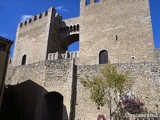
x=108 y=80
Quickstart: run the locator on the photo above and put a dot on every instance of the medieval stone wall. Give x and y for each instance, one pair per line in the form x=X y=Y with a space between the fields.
x=123 y=28
x=52 y=76
x=146 y=77
x=37 y=37
x=32 y=39
x=64 y=77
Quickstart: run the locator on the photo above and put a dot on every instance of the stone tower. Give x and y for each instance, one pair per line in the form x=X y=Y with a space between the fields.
x=119 y=31
x=121 y=27
x=37 y=37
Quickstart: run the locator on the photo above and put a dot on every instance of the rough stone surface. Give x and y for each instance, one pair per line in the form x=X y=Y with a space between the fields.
x=51 y=75
x=64 y=77
x=122 y=27
x=37 y=37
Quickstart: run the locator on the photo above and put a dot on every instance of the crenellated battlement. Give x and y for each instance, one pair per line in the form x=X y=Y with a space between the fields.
x=41 y=16
x=34 y=18
x=71 y=28
x=66 y=55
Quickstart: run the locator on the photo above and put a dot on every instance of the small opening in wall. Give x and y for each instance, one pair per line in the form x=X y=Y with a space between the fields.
x=50 y=57
x=116 y=37
x=40 y=16
x=74 y=28
x=21 y=24
x=76 y=54
x=96 y=1
x=30 y=20
x=77 y=27
x=25 y=23
x=87 y=2
x=46 y=13
x=71 y=55
x=132 y=57
x=24 y=60
x=67 y=28
x=35 y=18
x=70 y=28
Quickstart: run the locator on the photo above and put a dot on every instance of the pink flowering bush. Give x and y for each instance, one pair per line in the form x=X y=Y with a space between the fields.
x=101 y=117
x=132 y=105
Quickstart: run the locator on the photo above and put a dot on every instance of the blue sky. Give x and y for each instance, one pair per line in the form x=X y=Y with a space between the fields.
x=13 y=11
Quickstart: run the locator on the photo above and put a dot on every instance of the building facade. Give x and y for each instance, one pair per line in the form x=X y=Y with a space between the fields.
x=5 y=45
x=46 y=77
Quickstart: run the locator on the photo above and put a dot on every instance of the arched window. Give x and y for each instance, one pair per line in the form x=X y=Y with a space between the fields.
x=103 y=57
x=24 y=60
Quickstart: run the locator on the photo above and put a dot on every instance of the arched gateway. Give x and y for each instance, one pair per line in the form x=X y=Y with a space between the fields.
x=54 y=106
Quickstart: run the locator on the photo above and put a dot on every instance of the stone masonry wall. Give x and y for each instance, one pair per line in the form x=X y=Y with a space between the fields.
x=52 y=76
x=146 y=86
x=31 y=40
x=123 y=28
x=64 y=77
x=37 y=37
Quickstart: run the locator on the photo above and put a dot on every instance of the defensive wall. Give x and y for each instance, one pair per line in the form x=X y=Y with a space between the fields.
x=42 y=65
x=37 y=37
x=63 y=76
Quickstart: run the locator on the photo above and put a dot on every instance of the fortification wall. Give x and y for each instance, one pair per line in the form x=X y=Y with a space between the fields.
x=71 y=21
x=123 y=28
x=32 y=38
x=54 y=38
x=158 y=54
x=64 y=77
x=47 y=77
x=146 y=78
x=38 y=36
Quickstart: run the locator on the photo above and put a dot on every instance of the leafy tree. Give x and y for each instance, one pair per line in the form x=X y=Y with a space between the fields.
x=108 y=80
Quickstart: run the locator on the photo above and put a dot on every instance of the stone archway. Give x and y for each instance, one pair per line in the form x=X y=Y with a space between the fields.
x=70 y=39
x=54 y=106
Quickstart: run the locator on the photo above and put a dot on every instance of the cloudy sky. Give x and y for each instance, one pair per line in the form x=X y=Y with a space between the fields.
x=14 y=11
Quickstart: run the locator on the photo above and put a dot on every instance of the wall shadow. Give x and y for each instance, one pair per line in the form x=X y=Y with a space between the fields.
x=74 y=94
x=27 y=101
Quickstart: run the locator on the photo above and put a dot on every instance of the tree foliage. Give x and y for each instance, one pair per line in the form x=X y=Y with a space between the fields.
x=108 y=79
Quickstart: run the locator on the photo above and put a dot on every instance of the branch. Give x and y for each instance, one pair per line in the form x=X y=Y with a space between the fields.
x=115 y=109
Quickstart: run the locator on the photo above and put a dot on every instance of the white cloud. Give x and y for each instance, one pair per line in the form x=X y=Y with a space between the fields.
x=61 y=8
x=25 y=17
x=4 y=34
